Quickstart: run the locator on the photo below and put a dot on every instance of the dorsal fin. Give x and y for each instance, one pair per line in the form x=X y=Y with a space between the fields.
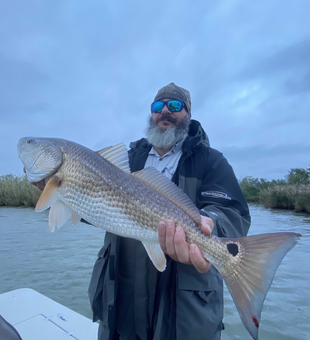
x=161 y=184
x=117 y=155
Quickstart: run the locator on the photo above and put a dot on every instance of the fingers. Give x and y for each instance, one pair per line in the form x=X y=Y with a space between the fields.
x=166 y=233
x=162 y=236
x=198 y=261
x=181 y=246
x=207 y=225
x=170 y=231
x=40 y=185
x=196 y=258
x=172 y=241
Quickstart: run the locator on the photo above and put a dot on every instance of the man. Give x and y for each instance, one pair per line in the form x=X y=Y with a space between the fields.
x=132 y=300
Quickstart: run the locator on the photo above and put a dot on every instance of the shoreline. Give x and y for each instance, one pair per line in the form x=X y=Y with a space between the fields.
x=16 y=191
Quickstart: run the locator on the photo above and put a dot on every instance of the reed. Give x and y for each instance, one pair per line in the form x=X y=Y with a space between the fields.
x=17 y=191
x=251 y=187
x=293 y=192
x=295 y=197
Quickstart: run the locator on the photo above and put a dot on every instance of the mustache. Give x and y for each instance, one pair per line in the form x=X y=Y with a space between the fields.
x=166 y=117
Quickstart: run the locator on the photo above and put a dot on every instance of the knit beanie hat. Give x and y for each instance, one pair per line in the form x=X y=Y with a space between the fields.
x=173 y=91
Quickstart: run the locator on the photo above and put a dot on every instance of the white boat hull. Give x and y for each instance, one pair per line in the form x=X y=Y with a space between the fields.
x=37 y=317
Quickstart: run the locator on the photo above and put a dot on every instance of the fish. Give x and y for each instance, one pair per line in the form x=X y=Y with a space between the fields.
x=99 y=188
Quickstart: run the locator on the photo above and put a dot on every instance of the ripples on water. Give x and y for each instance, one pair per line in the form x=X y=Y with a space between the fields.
x=59 y=265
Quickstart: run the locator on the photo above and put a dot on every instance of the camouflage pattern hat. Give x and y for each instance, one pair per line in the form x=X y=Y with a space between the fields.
x=173 y=91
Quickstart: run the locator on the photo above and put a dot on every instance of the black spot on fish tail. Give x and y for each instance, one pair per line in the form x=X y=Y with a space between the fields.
x=233 y=249
x=256 y=323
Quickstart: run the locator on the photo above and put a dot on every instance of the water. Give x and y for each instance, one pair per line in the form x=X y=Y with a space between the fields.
x=59 y=265
x=286 y=311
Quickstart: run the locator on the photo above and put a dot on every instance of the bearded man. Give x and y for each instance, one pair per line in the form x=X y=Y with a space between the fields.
x=129 y=297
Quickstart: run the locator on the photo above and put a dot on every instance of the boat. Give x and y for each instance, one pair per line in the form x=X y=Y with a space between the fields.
x=35 y=317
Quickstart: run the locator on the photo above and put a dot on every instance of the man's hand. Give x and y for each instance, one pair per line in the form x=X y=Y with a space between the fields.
x=172 y=242
x=40 y=185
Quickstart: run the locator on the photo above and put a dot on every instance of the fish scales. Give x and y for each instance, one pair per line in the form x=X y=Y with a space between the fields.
x=99 y=188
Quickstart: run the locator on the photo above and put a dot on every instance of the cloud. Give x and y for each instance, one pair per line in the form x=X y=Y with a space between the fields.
x=290 y=58
x=271 y=162
x=298 y=84
x=88 y=72
x=263 y=152
x=18 y=81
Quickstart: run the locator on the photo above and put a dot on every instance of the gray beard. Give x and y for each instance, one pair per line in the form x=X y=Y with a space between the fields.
x=167 y=138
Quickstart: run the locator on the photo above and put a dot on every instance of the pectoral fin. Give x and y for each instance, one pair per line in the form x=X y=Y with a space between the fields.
x=156 y=255
x=60 y=213
x=49 y=195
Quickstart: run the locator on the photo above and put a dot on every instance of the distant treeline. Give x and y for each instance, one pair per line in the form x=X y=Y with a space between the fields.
x=293 y=192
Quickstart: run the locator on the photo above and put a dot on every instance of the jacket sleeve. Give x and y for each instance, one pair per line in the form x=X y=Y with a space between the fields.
x=219 y=197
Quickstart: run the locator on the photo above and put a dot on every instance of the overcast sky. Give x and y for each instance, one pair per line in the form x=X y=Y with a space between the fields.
x=87 y=71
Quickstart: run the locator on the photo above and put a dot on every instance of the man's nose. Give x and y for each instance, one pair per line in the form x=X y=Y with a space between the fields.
x=165 y=109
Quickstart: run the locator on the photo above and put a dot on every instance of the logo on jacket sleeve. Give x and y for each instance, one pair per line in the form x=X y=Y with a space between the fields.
x=215 y=194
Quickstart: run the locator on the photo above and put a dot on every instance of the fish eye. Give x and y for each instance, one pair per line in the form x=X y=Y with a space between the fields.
x=29 y=141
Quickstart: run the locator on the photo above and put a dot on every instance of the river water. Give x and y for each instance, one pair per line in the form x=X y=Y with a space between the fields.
x=59 y=265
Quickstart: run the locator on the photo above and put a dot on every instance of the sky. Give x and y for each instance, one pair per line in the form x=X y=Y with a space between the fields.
x=87 y=71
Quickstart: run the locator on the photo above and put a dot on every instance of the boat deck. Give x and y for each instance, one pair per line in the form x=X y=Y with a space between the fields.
x=37 y=317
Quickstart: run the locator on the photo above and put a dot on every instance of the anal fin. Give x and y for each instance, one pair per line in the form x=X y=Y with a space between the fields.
x=75 y=218
x=156 y=255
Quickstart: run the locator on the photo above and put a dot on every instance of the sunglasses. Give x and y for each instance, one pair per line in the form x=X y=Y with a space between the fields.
x=172 y=105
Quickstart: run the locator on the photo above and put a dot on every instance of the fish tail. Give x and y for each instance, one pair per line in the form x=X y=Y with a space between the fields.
x=256 y=260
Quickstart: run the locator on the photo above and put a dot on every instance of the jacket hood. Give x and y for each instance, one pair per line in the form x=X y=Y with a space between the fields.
x=197 y=134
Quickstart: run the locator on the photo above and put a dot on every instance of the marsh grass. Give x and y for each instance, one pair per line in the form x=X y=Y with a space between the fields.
x=295 y=197
x=291 y=193
x=17 y=191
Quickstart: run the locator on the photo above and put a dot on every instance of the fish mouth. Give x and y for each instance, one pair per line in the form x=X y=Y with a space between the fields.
x=20 y=146
x=23 y=153
x=32 y=152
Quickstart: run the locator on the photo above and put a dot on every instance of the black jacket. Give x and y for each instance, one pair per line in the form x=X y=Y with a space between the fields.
x=179 y=303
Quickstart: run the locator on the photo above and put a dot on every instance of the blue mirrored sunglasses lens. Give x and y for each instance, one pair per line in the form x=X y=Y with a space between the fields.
x=157 y=106
x=174 y=105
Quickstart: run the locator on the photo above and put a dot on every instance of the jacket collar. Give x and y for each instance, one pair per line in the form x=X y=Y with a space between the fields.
x=196 y=134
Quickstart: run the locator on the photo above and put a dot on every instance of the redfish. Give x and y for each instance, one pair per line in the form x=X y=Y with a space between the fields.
x=98 y=187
